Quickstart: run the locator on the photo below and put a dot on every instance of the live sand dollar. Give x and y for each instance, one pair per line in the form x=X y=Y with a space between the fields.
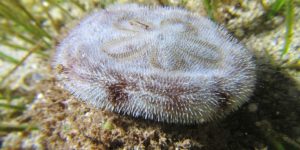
x=160 y=63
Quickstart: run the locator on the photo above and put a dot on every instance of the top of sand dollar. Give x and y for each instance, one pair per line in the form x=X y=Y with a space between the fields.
x=160 y=63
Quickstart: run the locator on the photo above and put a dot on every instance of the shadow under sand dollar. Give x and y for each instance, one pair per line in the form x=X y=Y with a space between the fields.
x=270 y=119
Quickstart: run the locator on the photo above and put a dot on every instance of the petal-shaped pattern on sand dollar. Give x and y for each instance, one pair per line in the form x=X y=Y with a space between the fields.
x=124 y=47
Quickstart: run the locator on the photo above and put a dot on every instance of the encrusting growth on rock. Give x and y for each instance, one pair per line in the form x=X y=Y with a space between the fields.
x=159 y=63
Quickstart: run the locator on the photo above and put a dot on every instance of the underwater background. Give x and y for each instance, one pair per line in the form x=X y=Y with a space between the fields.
x=36 y=113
